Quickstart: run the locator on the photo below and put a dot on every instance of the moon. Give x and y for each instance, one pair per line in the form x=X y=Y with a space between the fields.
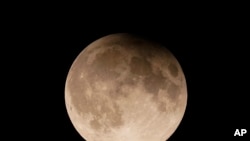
x=123 y=87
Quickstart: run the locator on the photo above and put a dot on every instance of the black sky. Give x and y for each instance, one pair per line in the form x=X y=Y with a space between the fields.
x=212 y=51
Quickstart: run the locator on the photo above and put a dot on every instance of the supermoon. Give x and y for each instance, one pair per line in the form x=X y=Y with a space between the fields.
x=124 y=88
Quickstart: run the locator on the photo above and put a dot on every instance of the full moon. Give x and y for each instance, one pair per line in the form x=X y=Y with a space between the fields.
x=123 y=87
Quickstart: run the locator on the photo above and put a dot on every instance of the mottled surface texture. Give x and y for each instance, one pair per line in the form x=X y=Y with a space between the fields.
x=122 y=88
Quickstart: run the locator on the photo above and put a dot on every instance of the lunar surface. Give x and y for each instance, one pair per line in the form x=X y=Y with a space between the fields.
x=124 y=88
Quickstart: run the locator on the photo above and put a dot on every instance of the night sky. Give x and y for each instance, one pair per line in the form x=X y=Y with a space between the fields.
x=211 y=50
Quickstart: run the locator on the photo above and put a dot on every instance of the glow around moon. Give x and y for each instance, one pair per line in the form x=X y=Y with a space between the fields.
x=122 y=87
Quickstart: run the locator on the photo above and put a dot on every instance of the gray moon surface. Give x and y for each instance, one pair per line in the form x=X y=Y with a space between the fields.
x=122 y=87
